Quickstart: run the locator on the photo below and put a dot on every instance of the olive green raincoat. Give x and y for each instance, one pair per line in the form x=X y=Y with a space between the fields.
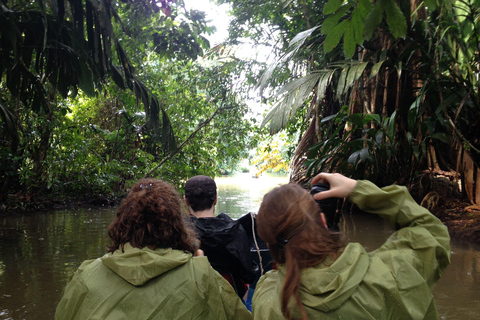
x=149 y=284
x=392 y=282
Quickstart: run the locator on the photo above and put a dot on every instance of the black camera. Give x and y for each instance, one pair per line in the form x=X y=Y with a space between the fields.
x=328 y=206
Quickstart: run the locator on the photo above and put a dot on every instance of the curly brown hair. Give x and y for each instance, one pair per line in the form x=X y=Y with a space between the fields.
x=152 y=215
x=289 y=221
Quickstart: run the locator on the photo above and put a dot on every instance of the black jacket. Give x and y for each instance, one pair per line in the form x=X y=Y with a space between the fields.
x=226 y=244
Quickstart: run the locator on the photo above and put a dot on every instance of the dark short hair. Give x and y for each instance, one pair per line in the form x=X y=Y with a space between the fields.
x=152 y=215
x=200 y=192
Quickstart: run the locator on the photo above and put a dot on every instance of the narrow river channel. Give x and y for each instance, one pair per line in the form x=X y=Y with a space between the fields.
x=39 y=252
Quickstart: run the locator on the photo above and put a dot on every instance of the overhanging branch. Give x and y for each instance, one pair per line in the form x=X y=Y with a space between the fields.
x=189 y=138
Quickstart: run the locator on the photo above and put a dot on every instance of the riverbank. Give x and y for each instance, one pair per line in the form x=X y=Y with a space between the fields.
x=27 y=206
x=461 y=218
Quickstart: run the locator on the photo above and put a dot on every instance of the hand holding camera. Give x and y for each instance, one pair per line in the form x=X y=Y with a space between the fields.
x=340 y=186
x=327 y=193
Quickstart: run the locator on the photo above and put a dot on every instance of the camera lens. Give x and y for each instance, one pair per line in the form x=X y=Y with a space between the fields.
x=327 y=206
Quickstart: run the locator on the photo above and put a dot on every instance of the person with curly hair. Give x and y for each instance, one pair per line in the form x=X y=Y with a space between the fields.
x=150 y=270
x=319 y=277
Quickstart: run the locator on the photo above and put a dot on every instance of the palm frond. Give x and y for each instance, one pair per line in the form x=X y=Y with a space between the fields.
x=294 y=95
x=295 y=44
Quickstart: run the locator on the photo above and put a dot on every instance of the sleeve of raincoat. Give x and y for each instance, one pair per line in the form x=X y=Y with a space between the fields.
x=421 y=239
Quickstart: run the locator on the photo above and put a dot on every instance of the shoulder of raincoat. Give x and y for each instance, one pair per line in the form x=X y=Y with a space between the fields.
x=225 y=242
x=149 y=284
x=392 y=282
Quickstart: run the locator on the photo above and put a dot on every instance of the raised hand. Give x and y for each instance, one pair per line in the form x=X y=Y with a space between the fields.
x=340 y=186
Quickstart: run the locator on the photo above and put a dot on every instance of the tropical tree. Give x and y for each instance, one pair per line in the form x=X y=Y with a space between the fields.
x=51 y=50
x=390 y=88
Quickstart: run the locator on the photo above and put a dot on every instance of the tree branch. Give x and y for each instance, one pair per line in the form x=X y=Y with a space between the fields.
x=190 y=137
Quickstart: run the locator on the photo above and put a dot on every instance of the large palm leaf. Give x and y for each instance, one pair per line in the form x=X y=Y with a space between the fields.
x=68 y=44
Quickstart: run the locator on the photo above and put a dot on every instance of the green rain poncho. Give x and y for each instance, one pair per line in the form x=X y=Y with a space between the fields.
x=392 y=282
x=149 y=284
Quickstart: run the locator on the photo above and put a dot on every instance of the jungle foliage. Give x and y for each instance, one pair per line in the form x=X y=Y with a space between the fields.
x=95 y=94
x=388 y=89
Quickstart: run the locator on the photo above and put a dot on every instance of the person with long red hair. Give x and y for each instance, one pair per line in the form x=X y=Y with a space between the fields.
x=319 y=277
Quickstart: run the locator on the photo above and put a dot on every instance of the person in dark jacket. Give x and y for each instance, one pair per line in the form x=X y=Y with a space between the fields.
x=222 y=239
x=150 y=271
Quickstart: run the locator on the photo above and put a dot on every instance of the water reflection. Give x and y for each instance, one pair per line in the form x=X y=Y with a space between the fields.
x=39 y=253
x=241 y=193
x=457 y=292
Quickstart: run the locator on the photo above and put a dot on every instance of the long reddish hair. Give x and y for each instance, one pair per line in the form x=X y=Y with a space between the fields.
x=289 y=221
x=152 y=216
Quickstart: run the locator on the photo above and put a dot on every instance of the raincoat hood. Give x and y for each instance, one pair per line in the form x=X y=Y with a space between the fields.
x=145 y=284
x=216 y=232
x=139 y=266
x=328 y=286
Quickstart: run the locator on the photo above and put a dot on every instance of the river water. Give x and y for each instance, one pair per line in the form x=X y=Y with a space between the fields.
x=38 y=253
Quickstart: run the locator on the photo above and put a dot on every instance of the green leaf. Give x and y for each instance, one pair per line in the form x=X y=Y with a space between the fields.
x=357 y=26
x=398 y=66
x=331 y=21
x=350 y=76
x=341 y=82
x=117 y=76
x=391 y=126
x=370 y=117
x=323 y=83
x=373 y=20
x=358 y=156
x=356 y=119
x=302 y=94
x=295 y=84
x=332 y=6
x=353 y=158
x=442 y=137
x=363 y=7
x=328 y=118
x=86 y=80
x=413 y=111
x=396 y=20
x=349 y=43
x=432 y=4
x=333 y=38
x=376 y=68
x=360 y=69
x=302 y=36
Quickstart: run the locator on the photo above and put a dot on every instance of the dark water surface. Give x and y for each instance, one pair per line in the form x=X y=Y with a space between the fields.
x=38 y=253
